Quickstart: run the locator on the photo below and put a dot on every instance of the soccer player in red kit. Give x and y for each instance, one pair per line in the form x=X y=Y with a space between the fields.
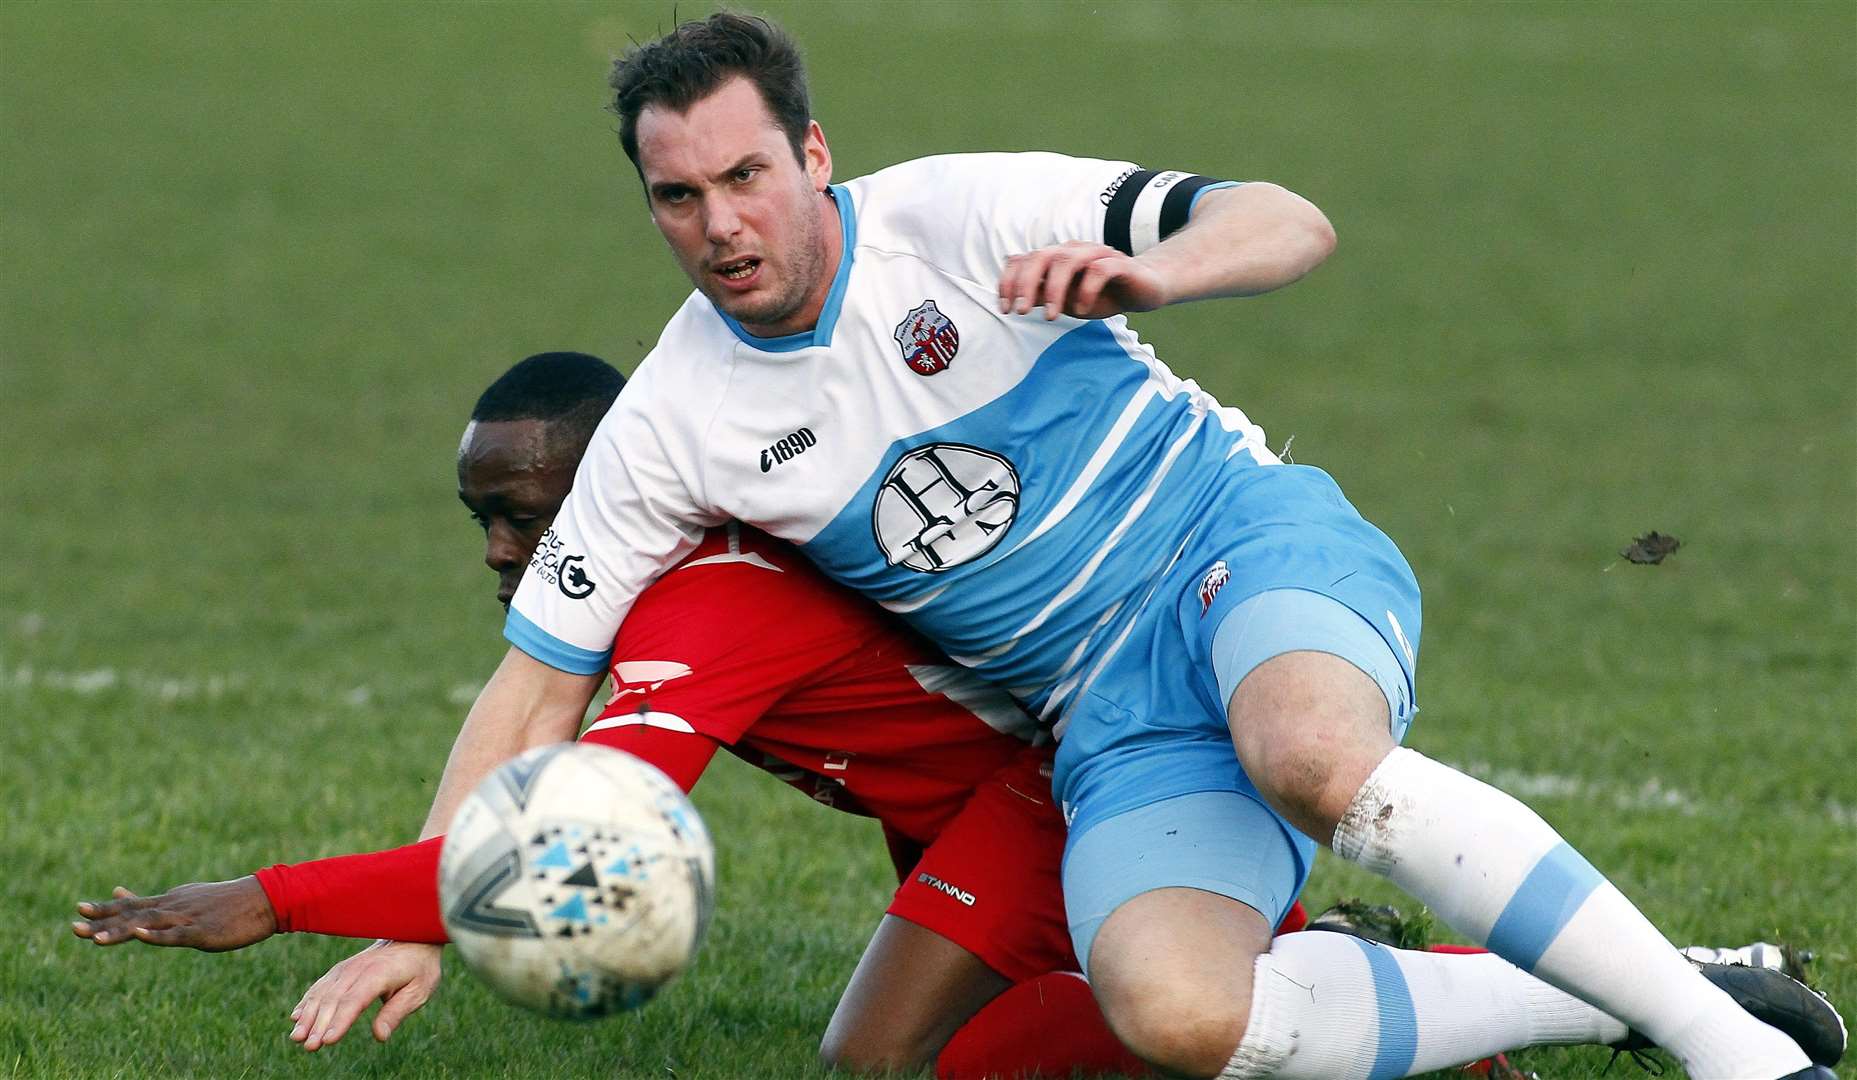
x=744 y=647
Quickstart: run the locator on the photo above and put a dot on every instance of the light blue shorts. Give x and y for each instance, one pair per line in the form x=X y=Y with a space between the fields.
x=1164 y=802
x=1227 y=842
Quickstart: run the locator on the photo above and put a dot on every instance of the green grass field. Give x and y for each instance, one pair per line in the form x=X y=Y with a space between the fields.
x=1595 y=278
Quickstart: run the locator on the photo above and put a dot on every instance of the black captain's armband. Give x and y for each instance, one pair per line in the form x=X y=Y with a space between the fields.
x=1147 y=207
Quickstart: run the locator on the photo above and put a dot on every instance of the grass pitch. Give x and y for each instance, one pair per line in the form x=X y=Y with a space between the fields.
x=1595 y=278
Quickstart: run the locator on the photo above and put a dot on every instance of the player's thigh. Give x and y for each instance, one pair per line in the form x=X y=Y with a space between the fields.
x=913 y=988
x=983 y=908
x=1316 y=698
x=1171 y=903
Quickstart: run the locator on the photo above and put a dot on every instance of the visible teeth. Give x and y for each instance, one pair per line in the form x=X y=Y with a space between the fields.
x=738 y=270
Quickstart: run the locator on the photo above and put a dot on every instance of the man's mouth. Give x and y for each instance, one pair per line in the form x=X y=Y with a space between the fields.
x=737 y=270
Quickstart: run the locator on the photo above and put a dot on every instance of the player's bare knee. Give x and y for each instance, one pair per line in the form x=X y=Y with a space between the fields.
x=1172 y=971
x=1305 y=780
x=1188 y=1030
x=871 y=1052
x=1308 y=728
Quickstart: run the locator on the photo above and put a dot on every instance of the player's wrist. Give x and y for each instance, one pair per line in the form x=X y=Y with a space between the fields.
x=255 y=907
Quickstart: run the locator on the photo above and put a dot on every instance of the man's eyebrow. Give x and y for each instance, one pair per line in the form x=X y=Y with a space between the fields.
x=753 y=157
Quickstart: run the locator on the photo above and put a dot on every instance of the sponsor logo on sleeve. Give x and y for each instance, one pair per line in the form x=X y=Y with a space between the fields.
x=1108 y=195
x=943 y=505
x=928 y=339
x=555 y=566
x=575 y=584
x=1210 y=585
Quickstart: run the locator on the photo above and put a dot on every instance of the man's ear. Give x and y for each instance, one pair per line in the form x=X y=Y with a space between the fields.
x=818 y=157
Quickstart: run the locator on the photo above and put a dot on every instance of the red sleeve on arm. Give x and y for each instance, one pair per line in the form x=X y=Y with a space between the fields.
x=383 y=894
x=681 y=755
x=394 y=893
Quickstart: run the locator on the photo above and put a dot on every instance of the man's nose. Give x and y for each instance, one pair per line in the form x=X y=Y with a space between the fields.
x=721 y=219
x=502 y=549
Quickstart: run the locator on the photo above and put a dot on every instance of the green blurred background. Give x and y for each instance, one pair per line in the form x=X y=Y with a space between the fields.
x=1597 y=275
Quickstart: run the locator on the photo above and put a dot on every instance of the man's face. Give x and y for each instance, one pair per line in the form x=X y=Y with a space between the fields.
x=513 y=488
x=745 y=220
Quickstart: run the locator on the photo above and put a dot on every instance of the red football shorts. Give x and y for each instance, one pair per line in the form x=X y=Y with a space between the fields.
x=990 y=882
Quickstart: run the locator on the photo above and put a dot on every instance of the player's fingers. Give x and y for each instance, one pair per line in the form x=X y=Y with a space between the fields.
x=303 y=1014
x=1008 y=281
x=305 y=1003
x=319 y=1011
x=1021 y=279
x=122 y=893
x=1095 y=278
x=98 y=931
x=1062 y=279
x=116 y=929
x=310 y=1003
x=180 y=936
x=351 y=999
x=400 y=1005
x=1029 y=279
x=348 y=1009
x=319 y=1025
x=1056 y=283
x=102 y=909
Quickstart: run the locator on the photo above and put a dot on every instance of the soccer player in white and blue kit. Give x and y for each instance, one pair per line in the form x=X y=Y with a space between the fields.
x=923 y=379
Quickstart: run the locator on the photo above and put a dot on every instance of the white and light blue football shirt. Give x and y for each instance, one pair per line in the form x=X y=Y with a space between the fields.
x=1012 y=487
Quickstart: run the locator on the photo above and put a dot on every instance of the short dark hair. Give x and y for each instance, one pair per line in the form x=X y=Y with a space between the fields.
x=569 y=391
x=692 y=61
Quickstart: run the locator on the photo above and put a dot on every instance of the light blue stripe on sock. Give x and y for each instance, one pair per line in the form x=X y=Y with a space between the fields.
x=1548 y=897
x=1399 y=1023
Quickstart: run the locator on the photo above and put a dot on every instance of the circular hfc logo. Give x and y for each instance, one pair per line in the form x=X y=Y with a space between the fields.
x=943 y=505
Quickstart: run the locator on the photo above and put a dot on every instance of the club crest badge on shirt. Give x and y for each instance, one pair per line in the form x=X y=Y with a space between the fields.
x=928 y=339
x=1210 y=585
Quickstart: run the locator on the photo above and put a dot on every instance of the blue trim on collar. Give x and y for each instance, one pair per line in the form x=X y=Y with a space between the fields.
x=821 y=333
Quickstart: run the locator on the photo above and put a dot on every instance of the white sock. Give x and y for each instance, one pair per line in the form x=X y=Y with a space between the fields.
x=1495 y=872
x=1334 y=1007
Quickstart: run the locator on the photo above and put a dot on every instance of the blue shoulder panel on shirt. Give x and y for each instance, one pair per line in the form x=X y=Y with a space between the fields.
x=551 y=650
x=820 y=334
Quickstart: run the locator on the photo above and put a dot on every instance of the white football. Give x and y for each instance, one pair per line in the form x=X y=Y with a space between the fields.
x=576 y=880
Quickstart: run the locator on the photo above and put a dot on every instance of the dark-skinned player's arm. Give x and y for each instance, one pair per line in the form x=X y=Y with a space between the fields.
x=526 y=703
x=381 y=894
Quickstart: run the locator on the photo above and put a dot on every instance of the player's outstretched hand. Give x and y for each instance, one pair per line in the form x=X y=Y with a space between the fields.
x=1079 y=279
x=401 y=974
x=212 y=916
